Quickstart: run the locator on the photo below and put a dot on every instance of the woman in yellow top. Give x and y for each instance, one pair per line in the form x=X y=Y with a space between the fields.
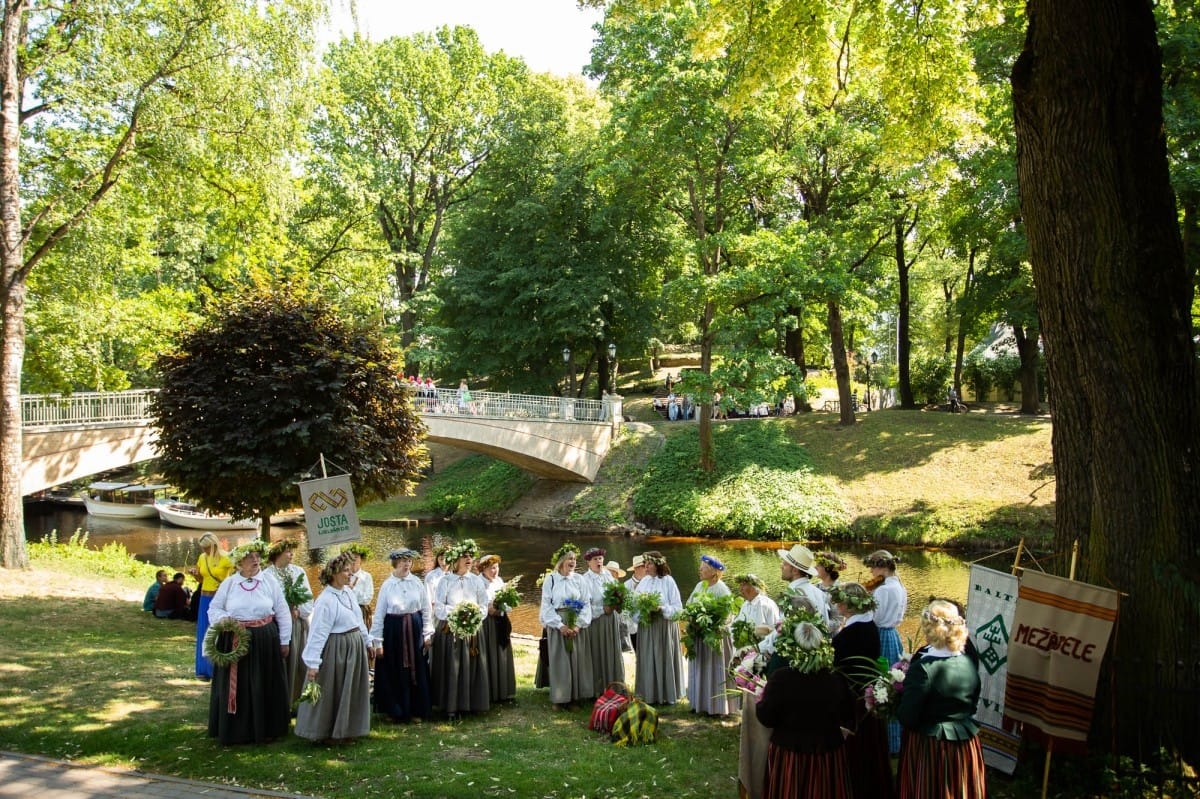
x=211 y=568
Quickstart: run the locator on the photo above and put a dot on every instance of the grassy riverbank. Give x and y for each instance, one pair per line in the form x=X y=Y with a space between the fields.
x=912 y=478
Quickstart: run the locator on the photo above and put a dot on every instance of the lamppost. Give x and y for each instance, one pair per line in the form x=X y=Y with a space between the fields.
x=874 y=360
x=568 y=376
x=612 y=367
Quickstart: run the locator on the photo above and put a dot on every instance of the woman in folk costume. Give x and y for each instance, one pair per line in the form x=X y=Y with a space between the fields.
x=336 y=657
x=566 y=610
x=248 y=702
x=401 y=631
x=294 y=581
x=708 y=667
x=211 y=568
x=891 y=602
x=460 y=666
x=805 y=703
x=942 y=757
x=659 y=659
x=829 y=566
x=759 y=610
x=497 y=636
x=603 y=635
x=856 y=650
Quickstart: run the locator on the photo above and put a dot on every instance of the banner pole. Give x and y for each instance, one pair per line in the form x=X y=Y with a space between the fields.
x=1017 y=560
x=1046 y=768
x=1074 y=558
x=324 y=475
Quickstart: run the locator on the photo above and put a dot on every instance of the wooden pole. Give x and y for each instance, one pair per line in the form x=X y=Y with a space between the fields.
x=1017 y=560
x=1050 y=740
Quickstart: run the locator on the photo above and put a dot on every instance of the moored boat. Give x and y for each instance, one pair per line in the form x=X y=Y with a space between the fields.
x=122 y=500
x=182 y=514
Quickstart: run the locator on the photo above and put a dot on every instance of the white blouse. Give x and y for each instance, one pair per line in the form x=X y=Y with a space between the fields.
x=335 y=611
x=363 y=585
x=760 y=611
x=668 y=593
x=891 y=601
x=305 y=609
x=454 y=588
x=556 y=590
x=400 y=597
x=250 y=598
x=596 y=582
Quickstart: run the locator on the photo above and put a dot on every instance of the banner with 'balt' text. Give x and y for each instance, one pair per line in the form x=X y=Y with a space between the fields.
x=991 y=606
x=1060 y=633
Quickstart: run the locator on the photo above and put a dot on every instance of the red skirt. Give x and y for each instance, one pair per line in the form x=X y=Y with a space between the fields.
x=934 y=769
x=806 y=775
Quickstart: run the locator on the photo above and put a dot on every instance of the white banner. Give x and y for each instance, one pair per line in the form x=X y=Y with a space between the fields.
x=330 y=515
x=991 y=604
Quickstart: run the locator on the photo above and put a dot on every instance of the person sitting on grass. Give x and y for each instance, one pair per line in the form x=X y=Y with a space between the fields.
x=152 y=592
x=172 y=600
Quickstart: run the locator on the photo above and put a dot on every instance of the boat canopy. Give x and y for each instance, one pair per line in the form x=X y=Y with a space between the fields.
x=127 y=487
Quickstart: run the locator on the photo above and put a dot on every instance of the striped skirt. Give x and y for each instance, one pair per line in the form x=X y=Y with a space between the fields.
x=938 y=769
x=806 y=775
x=891 y=649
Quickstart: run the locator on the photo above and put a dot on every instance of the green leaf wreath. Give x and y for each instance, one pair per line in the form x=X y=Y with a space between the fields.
x=465 y=619
x=508 y=597
x=240 y=641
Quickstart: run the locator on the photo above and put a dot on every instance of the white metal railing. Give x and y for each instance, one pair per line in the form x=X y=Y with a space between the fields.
x=104 y=408
x=90 y=408
x=496 y=405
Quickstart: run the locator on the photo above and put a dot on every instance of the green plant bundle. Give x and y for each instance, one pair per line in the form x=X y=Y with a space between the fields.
x=295 y=592
x=706 y=620
x=507 y=597
x=646 y=604
x=615 y=595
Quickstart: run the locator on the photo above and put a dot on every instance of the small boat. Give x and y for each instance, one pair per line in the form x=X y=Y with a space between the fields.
x=182 y=514
x=122 y=500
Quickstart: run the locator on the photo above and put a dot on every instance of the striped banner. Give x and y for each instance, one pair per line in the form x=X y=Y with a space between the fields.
x=1060 y=633
x=991 y=604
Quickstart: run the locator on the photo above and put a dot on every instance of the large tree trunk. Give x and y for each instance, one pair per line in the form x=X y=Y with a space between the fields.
x=1027 y=350
x=841 y=367
x=903 y=344
x=793 y=347
x=12 y=295
x=1114 y=299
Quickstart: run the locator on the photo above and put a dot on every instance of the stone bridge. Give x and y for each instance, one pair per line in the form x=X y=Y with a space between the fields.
x=71 y=437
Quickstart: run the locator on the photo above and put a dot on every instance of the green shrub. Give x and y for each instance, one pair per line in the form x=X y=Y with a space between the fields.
x=477 y=484
x=930 y=377
x=764 y=487
x=75 y=558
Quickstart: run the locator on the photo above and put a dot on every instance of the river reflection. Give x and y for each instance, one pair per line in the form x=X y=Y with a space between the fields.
x=523 y=552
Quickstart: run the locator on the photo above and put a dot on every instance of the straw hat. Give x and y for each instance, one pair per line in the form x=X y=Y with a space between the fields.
x=799 y=557
x=615 y=569
x=638 y=560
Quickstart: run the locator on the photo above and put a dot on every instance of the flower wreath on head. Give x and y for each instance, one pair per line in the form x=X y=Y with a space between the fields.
x=561 y=552
x=358 y=548
x=859 y=603
x=279 y=547
x=751 y=579
x=460 y=550
x=829 y=560
x=657 y=560
x=797 y=625
x=240 y=642
x=242 y=550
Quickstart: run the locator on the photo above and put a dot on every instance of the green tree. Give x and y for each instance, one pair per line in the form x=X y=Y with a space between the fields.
x=271 y=381
x=93 y=94
x=1115 y=296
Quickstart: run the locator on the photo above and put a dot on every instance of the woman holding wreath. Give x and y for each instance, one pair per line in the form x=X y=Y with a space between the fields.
x=708 y=665
x=566 y=610
x=603 y=635
x=401 y=631
x=249 y=627
x=659 y=660
x=211 y=568
x=299 y=596
x=460 y=666
x=336 y=657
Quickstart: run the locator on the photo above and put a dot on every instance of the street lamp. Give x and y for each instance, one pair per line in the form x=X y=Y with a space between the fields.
x=870 y=363
x=612 y=367
x=568 y=378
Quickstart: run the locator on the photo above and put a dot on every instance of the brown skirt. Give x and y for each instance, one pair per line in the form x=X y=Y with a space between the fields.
x=934 y=769
x=806 y=775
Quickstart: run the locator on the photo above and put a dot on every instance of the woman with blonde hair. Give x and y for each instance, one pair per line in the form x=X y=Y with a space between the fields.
x=211 y=568
x=941 y=757
x=566 y=610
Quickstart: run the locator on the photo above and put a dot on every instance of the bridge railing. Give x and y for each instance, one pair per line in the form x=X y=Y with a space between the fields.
x=497 y=405
x=91 y=408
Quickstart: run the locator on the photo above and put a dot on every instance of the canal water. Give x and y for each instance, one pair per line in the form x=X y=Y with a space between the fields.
x=523 y=552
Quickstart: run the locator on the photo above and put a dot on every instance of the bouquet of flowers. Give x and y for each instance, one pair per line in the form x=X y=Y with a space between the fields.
x=704 y=618
x=465 y=619
x=743 y=633
x=615 y=594
x=882 y=695
x=749 y=671
x=507 y=597
x=311 y=693
x=570 y=608
x=294 y=591
x=646 y=604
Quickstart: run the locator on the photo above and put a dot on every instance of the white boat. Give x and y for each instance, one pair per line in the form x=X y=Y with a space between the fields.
x=122 y=500
x=182 y=514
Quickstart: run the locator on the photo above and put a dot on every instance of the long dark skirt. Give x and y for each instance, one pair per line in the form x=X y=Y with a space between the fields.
x=344 y=710
x=800 y=775
x=296 y=670
x=402 y=688
x=935 y=769
x=867 y=756
x=604 y=643
x=502 y=673
x=460 y=673
x=659 y=661
x=263 y=712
